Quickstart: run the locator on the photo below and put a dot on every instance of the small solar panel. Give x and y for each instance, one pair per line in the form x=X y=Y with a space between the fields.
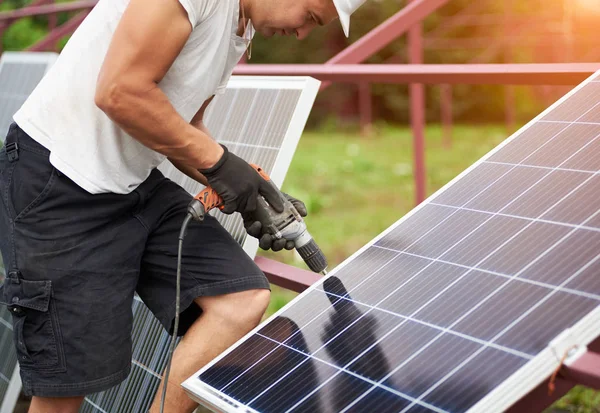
x=20 y=72
x=261 y=120
x=465 y=304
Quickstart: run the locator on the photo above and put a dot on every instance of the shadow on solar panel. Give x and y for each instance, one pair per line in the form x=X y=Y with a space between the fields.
x=467 y=303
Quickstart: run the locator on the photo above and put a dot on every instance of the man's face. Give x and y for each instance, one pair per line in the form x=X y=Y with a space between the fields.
x=291 y=17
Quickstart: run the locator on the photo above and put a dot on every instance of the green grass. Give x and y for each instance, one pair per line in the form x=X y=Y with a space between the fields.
x=355 y=187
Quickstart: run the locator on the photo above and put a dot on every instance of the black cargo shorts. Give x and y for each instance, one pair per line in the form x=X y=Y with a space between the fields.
x=74 y=261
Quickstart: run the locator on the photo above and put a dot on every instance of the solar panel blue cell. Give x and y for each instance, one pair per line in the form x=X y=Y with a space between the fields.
x=430 y=364
x=262 y=376
x=533 y=331
x=508 y=188
x=579 y=104
x=497 y=311
x=334 y=395
x=477 y=377
x=366 y=265
x=587 y=280
x=527 y=142
x=411 y=296
x=544 y=195
x=377 y=400
x=588 y=159
x=527 y=245
x=399 y=271
x=593 y=116
x=453 y=229
x=400 y=342
x=476 y=181
x=471 y=289
x=292 y=388
x=424 y=220
x=484 y=240
x=578 y=206
x=572 y=139
x=577 y=250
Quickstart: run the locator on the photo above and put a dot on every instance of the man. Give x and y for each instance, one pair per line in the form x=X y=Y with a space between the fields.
x=86 y=218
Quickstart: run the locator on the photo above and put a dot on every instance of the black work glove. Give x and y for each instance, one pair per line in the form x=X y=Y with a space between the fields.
x=239 y=184
x=267 y=241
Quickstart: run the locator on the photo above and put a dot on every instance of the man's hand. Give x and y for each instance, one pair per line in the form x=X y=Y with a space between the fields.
x=239 y=184
x=266 y=240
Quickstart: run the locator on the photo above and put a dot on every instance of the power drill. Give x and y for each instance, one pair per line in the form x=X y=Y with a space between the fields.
x=287 y=224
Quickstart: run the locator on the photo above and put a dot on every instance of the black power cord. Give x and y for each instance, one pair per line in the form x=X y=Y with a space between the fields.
x=182 y=233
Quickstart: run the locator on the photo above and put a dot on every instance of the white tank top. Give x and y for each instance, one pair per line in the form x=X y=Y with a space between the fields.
x=84 y=143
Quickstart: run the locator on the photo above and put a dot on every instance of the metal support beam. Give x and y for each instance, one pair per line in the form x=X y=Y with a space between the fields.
x=286 y=276
x=585 y=370
x=446 y=115
x=503 y=74
x=49 y=42
x=386 y=32
x=417 y=113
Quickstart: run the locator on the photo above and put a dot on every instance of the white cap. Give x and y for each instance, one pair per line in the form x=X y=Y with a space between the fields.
x=345 y=8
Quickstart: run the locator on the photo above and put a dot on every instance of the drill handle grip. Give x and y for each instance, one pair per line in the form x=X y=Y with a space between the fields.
x=209 y=198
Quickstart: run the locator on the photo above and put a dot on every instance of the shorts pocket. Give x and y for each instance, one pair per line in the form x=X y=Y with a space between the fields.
x=36 y=331
x=30 y=182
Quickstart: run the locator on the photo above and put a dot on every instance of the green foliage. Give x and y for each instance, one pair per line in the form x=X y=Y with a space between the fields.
x=22 y=34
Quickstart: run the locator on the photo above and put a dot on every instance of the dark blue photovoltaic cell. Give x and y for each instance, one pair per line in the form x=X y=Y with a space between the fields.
x=472 y=288
x=414 y=294
x=455 y=299
x=414 y=227
x=341 y=390
x=556 y=269
x=484 y=240
x=579 y=205
x=527 y=142
x=588 y=279
x=472 y=184
x=435 y=360
x=491 y=317
x=546 y=193
x=380 y=401
x=476 y=378
x=529 y=244
x=448 y=233
x=419 y=409
x=558 y=150
x=506 y=189
x=297 y=384
x=534 y=332
x=577 y=105
x=400 y=270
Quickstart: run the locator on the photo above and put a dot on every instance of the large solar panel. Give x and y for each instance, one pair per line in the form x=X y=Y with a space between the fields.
x=20 y=72
x=465 y=304
x=260 y=119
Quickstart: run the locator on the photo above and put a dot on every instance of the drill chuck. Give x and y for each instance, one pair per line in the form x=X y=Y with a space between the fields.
x=313 y=256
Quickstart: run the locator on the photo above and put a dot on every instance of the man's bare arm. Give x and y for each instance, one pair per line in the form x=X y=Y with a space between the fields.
x=198 y=123
x=147 y=40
